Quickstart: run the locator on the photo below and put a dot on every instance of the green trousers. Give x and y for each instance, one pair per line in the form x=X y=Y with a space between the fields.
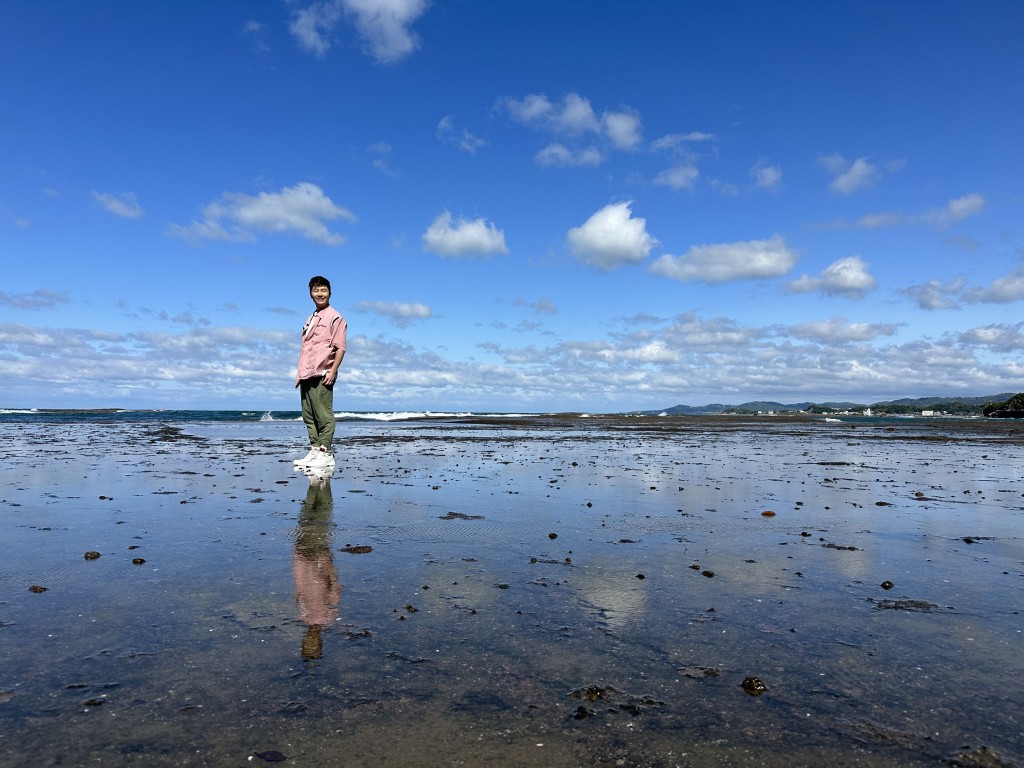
x=318 y=410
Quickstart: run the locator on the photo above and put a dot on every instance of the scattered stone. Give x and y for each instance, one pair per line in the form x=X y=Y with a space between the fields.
x=37 y=589
x=360 y=549
x=887 y=584
x=767 y=513
x=92 y=555
x=460 y=516
x=271 y=756
x=708 y=574
x=552 y=535
x=700 y=672
x=138 y=561
x=917 y=606
x=754 y=686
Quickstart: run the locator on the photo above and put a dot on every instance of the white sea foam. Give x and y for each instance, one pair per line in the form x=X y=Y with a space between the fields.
x=397 y=415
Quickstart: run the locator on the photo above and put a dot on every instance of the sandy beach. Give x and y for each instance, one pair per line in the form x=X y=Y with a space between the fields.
x=557 y=591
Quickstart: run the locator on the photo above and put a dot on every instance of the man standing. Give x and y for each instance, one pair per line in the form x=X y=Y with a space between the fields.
x=323 y=348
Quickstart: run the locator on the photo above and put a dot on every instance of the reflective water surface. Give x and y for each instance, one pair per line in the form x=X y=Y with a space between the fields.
x=545 y=593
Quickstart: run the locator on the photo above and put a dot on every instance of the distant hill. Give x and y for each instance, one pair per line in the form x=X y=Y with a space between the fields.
x=953 y=405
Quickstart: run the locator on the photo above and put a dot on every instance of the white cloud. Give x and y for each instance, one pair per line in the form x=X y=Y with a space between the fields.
x=465 y=238
x=123 y=204
x=955 y=211
x=573 y=116
x=574 y=120
x=766 y=176
x=301 y=209
x=723 y=262
x=532 y=109
x=39 y=299
x=839 y=330
x=541 y=306
x=401 y=314
x=611 y=238
x=256 y=31
x=672 y=140
x=679 y=177
x=447 y=133
x=997 y=337
x=847 y=277
x=313 y=25
x=384 y=25
x=1003 y=290
x=623 y=128
x=381 y=158
x=849 y=177
x=879 y=220
x=559 y=155
x=935 y=294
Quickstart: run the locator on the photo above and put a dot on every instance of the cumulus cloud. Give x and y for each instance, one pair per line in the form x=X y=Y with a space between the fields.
x=574 y=120
x=623 y=128
x=1003 y=290
x=611 y=238
x=766 y=176
x=463 y=238
x=301 y=210
x=39 y=299
x=123 y=204
x=448 y=134
x=574 y=115
x=935 y=294
x=847 y=277
x=679 y=177
x=724 y=262
x=400 y=313
x=383 y=25
x=849 y=177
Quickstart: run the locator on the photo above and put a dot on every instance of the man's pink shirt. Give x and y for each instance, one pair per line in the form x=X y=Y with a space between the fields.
x=323 y=336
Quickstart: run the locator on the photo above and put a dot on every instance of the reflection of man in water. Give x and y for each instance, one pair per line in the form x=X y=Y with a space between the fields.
x=317 y=589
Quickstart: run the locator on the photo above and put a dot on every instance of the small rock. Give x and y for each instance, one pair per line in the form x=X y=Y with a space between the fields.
x=754 y=686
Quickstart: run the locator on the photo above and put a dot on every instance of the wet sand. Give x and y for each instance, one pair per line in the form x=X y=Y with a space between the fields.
x=549 y=592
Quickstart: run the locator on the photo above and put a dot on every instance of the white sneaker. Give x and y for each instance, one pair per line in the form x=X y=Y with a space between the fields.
x=306 y=459
x=321 y=458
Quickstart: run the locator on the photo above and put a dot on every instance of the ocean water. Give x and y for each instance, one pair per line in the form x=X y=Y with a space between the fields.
x=170 y=416
x=535 y=592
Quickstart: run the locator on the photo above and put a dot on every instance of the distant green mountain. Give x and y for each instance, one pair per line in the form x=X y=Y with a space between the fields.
x=953 y=405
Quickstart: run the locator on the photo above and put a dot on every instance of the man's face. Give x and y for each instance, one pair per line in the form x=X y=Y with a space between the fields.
x=321 y=295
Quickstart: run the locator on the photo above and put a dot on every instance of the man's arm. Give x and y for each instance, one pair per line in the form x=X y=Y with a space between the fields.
x=332 y=375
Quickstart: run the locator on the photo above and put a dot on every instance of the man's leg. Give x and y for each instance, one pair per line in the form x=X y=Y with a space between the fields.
x=322 y=402
x=308 y=410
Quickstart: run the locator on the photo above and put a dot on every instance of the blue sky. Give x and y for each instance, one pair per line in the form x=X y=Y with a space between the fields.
x=528 y=205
